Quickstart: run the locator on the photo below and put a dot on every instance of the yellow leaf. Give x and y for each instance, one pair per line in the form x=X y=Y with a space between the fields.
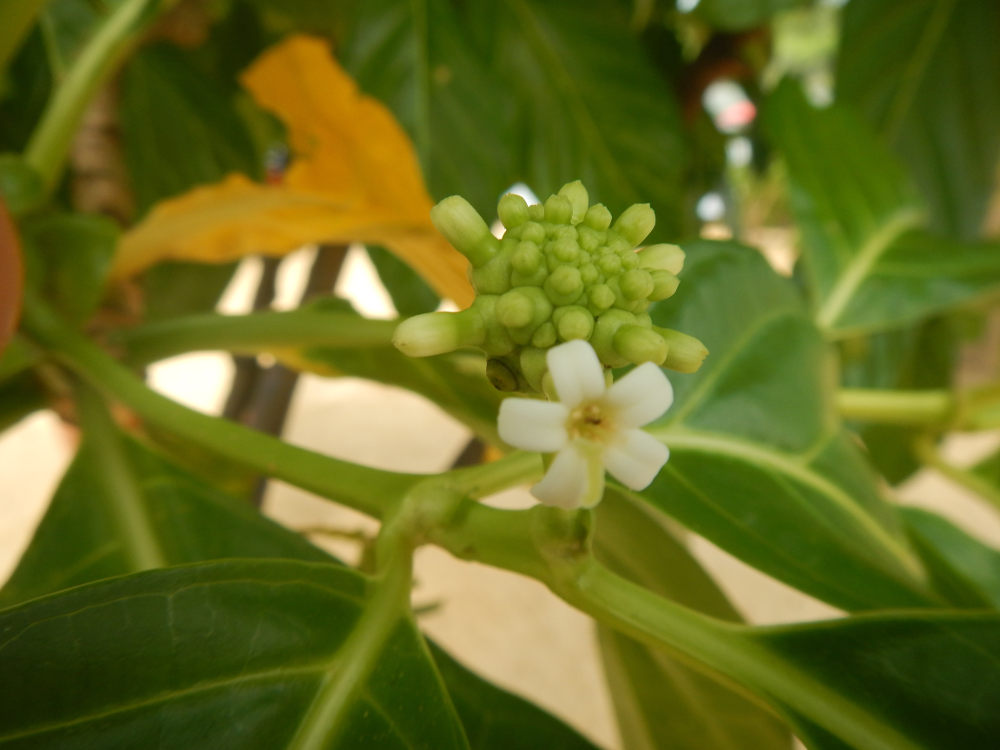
x=354 y=178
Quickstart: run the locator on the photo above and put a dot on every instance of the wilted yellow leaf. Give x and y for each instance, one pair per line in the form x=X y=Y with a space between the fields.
x=354 y=178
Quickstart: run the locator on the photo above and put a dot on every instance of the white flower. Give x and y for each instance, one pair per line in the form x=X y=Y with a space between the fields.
x=591 y=427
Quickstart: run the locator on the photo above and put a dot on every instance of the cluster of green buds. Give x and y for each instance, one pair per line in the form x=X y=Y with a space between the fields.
x=561 y=271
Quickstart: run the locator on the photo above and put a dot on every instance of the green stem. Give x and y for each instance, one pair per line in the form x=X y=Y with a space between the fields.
x=50 y=143
x=124 y=495
x=369 y=490
x=17 y=15
x=552 y=546
x=479 y=481
x=250 y=334
x=923 y=407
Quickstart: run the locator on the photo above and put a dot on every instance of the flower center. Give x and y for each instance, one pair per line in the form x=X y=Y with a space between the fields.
x=591 y=421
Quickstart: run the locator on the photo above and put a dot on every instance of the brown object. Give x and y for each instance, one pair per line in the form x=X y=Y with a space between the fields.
x=11 y=277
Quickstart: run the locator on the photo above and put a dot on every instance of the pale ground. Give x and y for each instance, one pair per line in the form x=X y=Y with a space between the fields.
x=509 y=629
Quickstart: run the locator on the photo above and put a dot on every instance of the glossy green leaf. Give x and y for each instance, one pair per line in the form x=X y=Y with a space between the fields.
x=567 y=64
x=760 y=464
x=421 y=59
x=67 y=257
x=868 y=263
x=659 y=701
x=79 y=541
x=229 y=654
x=966 y=563
x=922 y=681
x=922 y=73
x=738 y=15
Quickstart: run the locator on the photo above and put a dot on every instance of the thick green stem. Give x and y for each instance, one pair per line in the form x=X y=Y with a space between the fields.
x=926 y=407
x=479 y=481
x=369 y=490
x=17 y=15
x=254 y=333
x=50 y=143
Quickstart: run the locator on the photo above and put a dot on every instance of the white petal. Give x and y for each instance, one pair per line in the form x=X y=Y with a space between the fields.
x=576 y=372
x=533 y=425
x=641 y=396
x=636 y=459
x=566 y=482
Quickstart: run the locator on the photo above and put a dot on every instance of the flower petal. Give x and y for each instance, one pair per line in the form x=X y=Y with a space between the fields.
x=641 y=396
x=636 y=459
x=532 y=424
x=567 y=481
x=576 y=372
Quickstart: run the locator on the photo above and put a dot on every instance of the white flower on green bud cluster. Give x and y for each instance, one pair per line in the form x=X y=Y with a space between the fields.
x=591 y=428
x=562 y=271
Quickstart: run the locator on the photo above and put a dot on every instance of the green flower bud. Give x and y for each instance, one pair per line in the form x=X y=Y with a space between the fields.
x=512 y=210
x=589 y=239
x=493 y=277
x=558 y=209
x=536 y=212
x=609 y=264
x=465 y=229
x=629 y=260
x=664 y=285
x=522 y=310
x=602 y=339
x=597 y=217
x=501 y=376
x=638 y=344
x=533 y=366
x=545 y=336
x=533 y=232
x=564 y=285
x=527 y=259
x=573 y=322
x=439 y=332
x=601 y=297
x=636 y=284
x=635 y=223
x=565 y=250
x=578 y=198
x=497 y=340
x=684 y=353
x=662 y=258
x=589 y=274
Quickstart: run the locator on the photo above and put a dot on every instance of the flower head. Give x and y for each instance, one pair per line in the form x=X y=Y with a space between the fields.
x=591 y=428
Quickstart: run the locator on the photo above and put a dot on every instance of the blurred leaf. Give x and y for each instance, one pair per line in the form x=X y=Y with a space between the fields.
x=423 y=62
x=975 y=565
x=868 y=265
x=171 y=289
x=923 y=356
x=760 y=464
x=922 y=73
x=355 y=179
x=739 y=15
x=168 y=658
x=24 y=91
x=659 y=701
x=590 y=104
x=410 y=294
x=20 y=186
x=67 y=258
x=20 y=396
x=929 y=681
x=179 y=127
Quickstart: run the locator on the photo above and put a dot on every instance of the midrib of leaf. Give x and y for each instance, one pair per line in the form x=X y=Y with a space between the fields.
x=933 y=31
x=862 y=263
x=563 y=81
x=755 y=455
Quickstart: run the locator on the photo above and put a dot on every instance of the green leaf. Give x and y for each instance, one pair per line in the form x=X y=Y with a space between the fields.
x=590 y=105
x=82 y=539
x=970 y=566
x=760 y=464
x=228 y=654
x=659 y=701
x=868 y=265
x=173 y=289
x=739 y=15
x=918 y=72
x=422 y=61
x=67 y=257
x=180 y=127
x=79 y=542
x=927 y=681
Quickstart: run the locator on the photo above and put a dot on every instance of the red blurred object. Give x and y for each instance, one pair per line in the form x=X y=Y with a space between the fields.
x=11 y=277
